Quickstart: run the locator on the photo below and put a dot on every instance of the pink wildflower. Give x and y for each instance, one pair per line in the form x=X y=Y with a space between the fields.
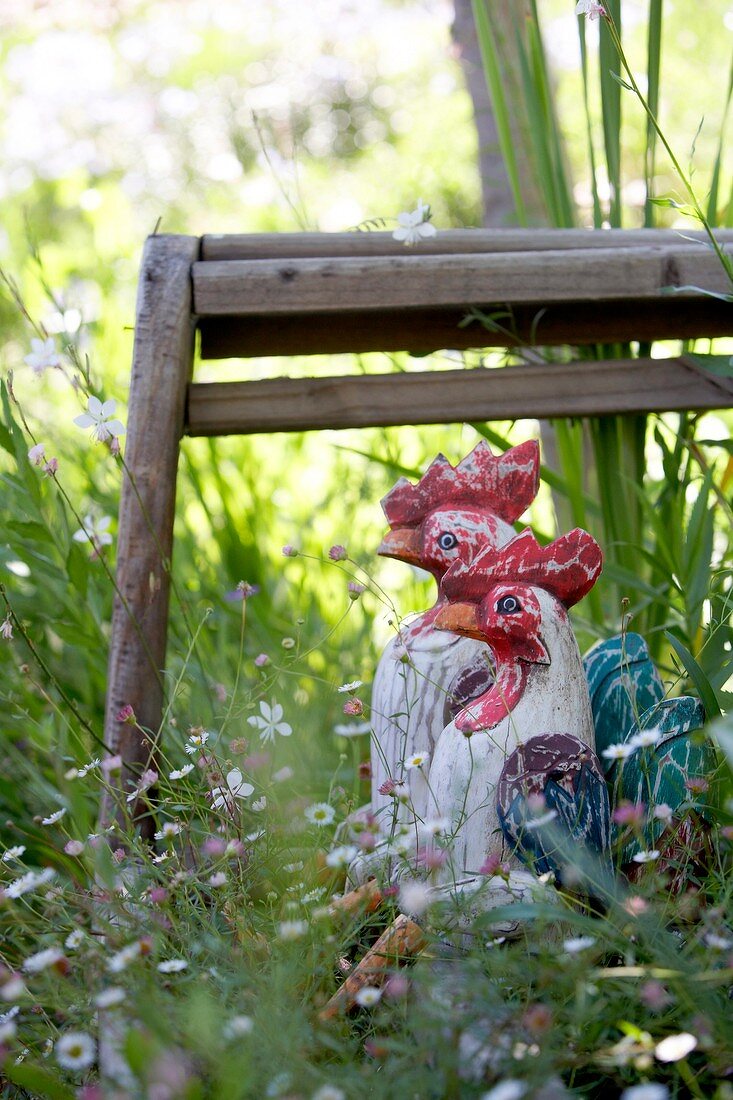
x=653 y=995
x=111 y=765
x=492 y=865
x=431 y=858
x=289 y=551
x=629 y=813
x=697 y=785
x=37 y=454
x=355 y=590
x=365 y=769
x=51 y=467
x=261 y=660
x=126 y=714
x=367 y=842
x=338 y=553
x=73 y=847
x=214 y=846
x=6 y=628
x=158 y=895
x=354 y=707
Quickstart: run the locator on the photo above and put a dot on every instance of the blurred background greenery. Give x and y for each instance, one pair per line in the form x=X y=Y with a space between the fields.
x=201 y=117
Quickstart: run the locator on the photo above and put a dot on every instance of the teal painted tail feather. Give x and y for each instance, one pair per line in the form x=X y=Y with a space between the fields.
x=623 y=685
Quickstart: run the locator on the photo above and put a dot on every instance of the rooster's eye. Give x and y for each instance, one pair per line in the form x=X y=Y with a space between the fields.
x=507 y=605
x=447 y=541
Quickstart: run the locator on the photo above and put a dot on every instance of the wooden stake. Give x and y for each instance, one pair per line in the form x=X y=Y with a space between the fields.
x=401 y=941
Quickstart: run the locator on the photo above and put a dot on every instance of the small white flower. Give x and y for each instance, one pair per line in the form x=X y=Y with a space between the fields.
x=43 y=355
x=6 y=628
x=368 y=996
x=543 y=819
x=169 y=830
x=196 y=741
x=172 y=966
x=179 y=773
x=13 y=853
x=219 y=878
x=8 y=1028
x=414 y=897
x=618 y=752
x=675 y=1047
x=76 y=1050
x=320 y=813
x=100 y=416
x=352 y=729
x=506 y=1090
x=29 y=881
x=236 y=787
x=577 y=944
x=238 y=1026
x=342 y=856
x=259 y=805
x=110 y=997
x=269 y=721
x=716 y=942
x=646 y=857
x=37 y=454
x=328 y=1092
x=349 y=688
x=34 y=964
x=436 y=825
x=644 y=739
x=13 y=988
x=94 y=531
x=414 y=225
x=416 y=761
x=289 y=930
x=122 y=959
x=53 y=818
x=283 y=775
x=650 y=1090
x=74 y=939
x=662 y=812
x=591 y=8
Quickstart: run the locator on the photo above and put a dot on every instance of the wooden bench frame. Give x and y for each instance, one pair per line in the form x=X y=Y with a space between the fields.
x=307 y=293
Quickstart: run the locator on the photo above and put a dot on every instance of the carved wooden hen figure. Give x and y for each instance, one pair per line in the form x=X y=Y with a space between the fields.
x=516 y=771
x=424 y=675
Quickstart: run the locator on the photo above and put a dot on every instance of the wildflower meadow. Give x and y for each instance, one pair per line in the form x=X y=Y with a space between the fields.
x=184 y=930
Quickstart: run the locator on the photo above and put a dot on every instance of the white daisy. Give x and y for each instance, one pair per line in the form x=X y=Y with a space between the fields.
x=172 y=966
x=320 y=813
x=289 y=930
x=368 y=996
x=34 y=964
x=110 y=997
x=416 y=761
x=577 y=944
x=353 y=686
x=618 y=752
x=76 y=1050
x=342 y=856
x=53 y=818
x=646 y=857
x=179 y=773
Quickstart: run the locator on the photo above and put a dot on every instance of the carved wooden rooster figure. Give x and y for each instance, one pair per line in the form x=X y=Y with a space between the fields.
x=516 y=770
x=424 y=675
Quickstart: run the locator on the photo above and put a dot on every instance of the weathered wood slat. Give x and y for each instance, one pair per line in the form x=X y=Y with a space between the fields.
x=161 y=368
x=265 y=246
x=243 y=287
x=441 y=397
x=425 y=330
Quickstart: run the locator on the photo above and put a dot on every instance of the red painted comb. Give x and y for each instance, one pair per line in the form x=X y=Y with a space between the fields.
x=503 y=484
x=568 y=567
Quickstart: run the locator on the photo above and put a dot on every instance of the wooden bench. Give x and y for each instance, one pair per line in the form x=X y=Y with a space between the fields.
x=288 y=294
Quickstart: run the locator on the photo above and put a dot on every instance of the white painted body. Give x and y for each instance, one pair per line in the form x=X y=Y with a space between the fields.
x=465 y=771
x=410 y=709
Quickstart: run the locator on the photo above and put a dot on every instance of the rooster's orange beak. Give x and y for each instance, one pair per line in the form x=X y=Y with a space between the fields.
x=461 y=618
x=403 y=544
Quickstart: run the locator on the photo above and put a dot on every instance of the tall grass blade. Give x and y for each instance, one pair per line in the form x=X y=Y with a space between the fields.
x=611 y=108
x=654 y=51
x=500 y=107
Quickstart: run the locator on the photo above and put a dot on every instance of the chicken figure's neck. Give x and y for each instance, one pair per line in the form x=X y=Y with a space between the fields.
x=486 y=712
x=423 y=625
